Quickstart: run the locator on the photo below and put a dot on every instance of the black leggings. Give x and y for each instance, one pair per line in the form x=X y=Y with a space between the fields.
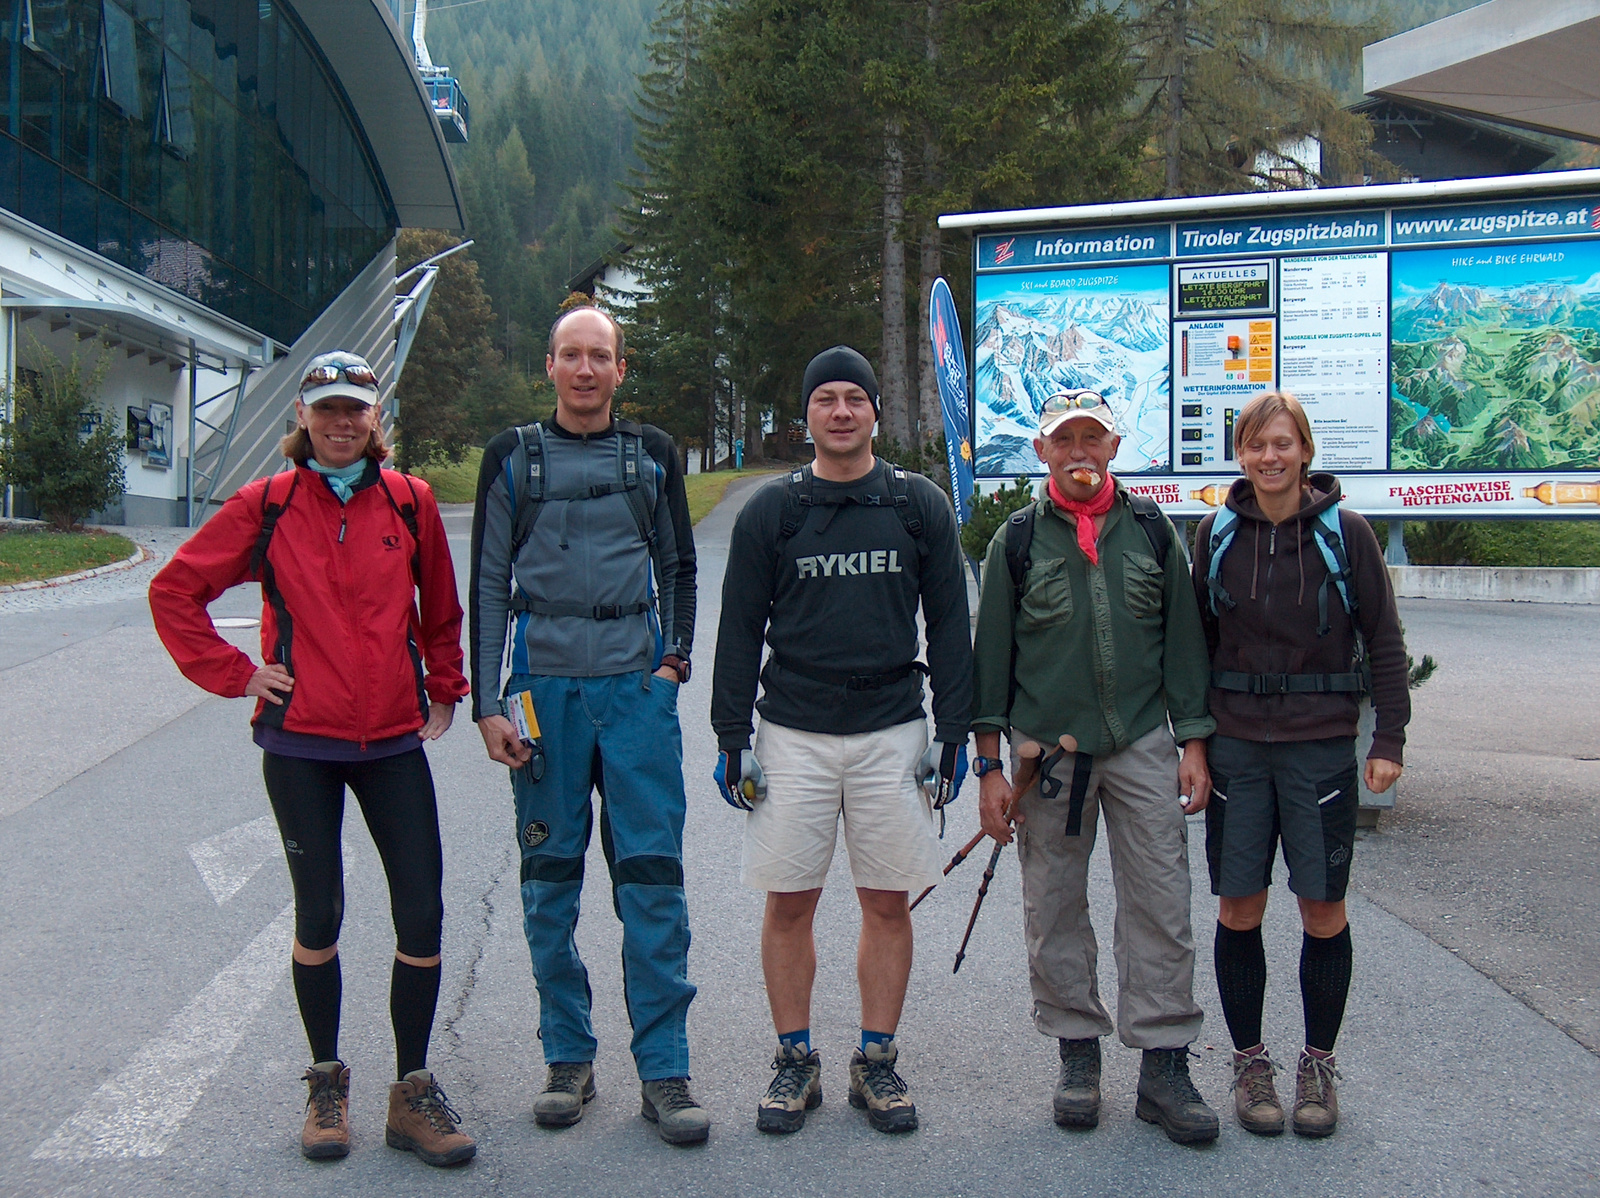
x=396 y=797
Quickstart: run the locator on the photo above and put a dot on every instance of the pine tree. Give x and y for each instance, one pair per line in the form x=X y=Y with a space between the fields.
x=1233 y=88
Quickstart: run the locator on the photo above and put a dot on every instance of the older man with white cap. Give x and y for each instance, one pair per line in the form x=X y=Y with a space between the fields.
x=1089 y=644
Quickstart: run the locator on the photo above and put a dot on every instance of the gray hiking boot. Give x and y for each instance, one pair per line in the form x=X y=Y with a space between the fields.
x=877 y=1089
x=795 y=1089
x=1255 y=1098
x=567 y=1086
x=679 y=1119
x=1077 y=1096
x=1167 y=1096
x=1316 y=1100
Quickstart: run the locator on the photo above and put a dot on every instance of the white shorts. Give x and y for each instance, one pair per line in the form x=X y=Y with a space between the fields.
x=869 y=778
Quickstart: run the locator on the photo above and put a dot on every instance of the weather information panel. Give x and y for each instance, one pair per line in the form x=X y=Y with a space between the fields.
x=1448 y=356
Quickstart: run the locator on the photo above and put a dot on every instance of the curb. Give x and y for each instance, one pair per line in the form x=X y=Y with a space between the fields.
x=139 y=555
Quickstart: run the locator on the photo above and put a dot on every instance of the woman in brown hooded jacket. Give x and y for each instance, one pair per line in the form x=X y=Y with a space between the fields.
x=1292 y=654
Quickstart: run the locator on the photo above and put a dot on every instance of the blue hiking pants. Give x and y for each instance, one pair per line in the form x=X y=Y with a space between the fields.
x=618 y=734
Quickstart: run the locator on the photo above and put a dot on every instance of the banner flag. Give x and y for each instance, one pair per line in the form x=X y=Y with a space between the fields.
x=944 y=331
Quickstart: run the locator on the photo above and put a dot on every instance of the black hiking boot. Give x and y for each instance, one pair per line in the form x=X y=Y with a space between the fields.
x=1167 y=1096
x=1077 y=1096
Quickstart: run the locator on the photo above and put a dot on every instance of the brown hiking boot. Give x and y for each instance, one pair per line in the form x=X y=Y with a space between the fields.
x=421 y=1120
x=876 y=1088
x=327 y=1131
x=1255 y=1098
x=1316 y=1100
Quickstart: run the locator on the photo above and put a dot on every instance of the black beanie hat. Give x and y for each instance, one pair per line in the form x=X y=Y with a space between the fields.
x=841 y=364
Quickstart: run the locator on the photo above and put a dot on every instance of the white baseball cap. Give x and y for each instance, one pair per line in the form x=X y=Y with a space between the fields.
x=1072 y=403
x=339 y=374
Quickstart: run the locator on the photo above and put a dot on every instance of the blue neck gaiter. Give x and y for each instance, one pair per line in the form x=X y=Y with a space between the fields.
x=342 y=482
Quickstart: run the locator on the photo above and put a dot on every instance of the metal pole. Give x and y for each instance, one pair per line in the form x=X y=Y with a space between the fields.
x=11 y=391
x=194 y=431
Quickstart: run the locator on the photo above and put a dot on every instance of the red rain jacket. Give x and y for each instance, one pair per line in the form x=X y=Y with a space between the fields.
x=354 y=637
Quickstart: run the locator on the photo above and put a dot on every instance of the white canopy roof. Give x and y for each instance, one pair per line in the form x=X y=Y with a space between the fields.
x=1529 y=63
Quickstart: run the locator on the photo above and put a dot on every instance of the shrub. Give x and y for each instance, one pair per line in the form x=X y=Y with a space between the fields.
x=44 y=452
x=989 y=512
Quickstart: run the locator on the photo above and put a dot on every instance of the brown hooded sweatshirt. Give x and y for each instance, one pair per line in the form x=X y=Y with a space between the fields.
x=1274 y=574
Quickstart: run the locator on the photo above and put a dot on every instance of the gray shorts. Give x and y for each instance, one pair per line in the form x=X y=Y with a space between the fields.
x=1303 y=793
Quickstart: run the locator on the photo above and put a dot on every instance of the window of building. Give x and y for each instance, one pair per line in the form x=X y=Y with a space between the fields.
x=119 y=59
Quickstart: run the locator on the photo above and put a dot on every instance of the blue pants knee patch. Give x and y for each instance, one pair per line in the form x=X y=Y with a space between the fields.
x=542 y=868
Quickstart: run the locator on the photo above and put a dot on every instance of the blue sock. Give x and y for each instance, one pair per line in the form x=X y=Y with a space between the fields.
x=879 y=1038
x=790 y=1039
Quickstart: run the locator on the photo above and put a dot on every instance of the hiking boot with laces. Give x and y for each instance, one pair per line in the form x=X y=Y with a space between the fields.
x=567 y=1086
x=877 y=1089
x=327 y=1130
x=1316 y=1100
x=679 y=1119
x=795 y=1089
x=421 y=1120
x=1255 y=1098
x=1077 y=1096
x=1167 y=1096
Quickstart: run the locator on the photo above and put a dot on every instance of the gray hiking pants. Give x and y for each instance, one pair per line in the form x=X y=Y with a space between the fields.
x=1152 y=941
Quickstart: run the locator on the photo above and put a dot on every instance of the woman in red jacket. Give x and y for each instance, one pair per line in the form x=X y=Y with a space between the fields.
x=341 y=548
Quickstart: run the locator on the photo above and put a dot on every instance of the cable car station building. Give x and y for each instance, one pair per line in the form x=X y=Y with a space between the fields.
x=205 y=193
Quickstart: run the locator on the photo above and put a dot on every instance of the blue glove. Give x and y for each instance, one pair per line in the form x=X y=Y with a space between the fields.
x=739 y=778
x=941 y=771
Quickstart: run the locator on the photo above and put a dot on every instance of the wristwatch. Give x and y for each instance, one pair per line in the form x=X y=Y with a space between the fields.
x=679 y=664
x=986 y=765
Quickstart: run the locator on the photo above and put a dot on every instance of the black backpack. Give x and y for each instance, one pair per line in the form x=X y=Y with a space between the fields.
x=798 y=500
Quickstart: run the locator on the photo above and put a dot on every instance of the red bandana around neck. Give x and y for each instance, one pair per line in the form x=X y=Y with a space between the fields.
x=1086 y=512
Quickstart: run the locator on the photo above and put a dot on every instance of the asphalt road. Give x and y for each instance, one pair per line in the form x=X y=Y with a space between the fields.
x=151 y=1045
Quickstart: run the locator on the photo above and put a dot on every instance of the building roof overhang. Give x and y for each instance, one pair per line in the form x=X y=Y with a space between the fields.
x=163 y=339
x=375 y=66
x=1528 y=63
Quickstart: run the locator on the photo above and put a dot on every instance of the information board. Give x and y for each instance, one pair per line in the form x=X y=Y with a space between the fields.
x=1448 y=355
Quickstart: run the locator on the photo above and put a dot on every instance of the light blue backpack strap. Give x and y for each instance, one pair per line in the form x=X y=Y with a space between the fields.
x=1222 y=530
x=1330 y=540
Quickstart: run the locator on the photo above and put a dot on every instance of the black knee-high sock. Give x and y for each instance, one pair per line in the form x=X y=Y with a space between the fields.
x=1324 y=984
x=318 y=989
x=1241 y=964
x=413 y=995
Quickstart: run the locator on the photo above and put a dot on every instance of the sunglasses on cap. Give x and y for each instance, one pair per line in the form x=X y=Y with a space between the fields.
x=1070 y=401
x=321 y=376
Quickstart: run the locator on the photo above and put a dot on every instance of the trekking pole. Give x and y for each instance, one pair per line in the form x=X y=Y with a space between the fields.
x=1029 y=754
x=1027 y=769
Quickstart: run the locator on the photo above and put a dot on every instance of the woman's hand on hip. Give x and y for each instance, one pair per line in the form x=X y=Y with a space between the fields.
x=439 y=717
x=266 y=682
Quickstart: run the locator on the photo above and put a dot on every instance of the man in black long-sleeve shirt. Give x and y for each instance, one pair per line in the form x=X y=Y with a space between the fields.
x=829 y=566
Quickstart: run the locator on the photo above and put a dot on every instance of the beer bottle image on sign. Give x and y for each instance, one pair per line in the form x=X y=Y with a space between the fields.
x=1559 y=493
x=1212 y=495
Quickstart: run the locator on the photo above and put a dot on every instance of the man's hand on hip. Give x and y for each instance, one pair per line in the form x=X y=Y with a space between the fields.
x=1194 y=778
x=501 y=739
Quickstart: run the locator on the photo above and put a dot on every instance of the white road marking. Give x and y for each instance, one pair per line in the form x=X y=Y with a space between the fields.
x=138 y=1112
x=230 y=859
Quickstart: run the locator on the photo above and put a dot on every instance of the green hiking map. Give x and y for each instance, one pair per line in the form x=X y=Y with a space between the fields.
x=1495 y=358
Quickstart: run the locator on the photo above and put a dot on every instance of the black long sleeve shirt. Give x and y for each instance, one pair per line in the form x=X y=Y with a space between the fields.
x=840 y=596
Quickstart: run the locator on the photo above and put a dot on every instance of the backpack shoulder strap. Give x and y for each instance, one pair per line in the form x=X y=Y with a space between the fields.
x=1330 y=541
x=1222 y=530
x=796 y=502
x=900 y=496
x=1156 y=528
x=526 y=480
x=630 y=458
x=405 y=505
x=275 y=497
x=1019 y=543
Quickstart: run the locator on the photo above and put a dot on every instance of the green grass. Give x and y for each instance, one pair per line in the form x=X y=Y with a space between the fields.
x=454 y=482
x=26 y=556
x=705 y=490
x=458 y=483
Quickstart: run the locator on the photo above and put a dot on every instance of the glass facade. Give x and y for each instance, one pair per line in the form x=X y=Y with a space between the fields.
x=201 y=143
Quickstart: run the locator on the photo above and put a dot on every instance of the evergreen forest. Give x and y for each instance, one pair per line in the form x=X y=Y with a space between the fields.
x=775 y=170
